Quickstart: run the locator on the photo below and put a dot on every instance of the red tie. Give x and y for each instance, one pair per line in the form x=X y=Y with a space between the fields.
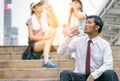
x=88 y=58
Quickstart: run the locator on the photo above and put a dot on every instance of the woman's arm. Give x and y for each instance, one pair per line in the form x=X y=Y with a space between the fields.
x=52 y=19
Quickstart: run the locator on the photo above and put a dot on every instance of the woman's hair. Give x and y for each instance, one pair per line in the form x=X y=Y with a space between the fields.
x=32 y=8
x=40 y=3
x=79 y=2
x=71 y=10
x=98 y=21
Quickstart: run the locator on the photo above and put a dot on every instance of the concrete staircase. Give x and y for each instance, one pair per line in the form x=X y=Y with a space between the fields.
x=13 y=68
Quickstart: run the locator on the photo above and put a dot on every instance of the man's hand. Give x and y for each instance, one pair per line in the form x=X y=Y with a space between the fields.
x=73 y=32
x=90 y=78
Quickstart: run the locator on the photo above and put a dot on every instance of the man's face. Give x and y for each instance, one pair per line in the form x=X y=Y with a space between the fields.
x=90 y=26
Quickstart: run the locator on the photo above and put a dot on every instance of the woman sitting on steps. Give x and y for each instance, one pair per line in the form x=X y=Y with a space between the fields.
x=40 y=35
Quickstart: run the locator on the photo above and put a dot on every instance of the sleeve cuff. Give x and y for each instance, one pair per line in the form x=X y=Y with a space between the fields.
x=94 y=75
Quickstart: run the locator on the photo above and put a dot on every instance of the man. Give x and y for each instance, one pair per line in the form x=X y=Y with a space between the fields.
x=94 y=61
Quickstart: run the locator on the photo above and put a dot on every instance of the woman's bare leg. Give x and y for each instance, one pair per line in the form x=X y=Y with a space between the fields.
x=45 y=45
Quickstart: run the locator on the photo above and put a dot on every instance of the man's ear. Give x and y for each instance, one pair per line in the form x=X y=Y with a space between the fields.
x=97 y=27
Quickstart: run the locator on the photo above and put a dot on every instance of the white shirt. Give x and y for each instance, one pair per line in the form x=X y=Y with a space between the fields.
x=101 y=54
x=39 y=25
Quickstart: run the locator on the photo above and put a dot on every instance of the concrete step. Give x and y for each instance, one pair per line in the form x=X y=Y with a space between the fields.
x=115 y=48
x=36 y=73
x=22 y=48
x=117 y=70
x=116 y=63
x=12 y=48
x=64 y=63
x=18 y=55
x=116 y=55
x=19 y=48
x=54 y=55
x=48 y=79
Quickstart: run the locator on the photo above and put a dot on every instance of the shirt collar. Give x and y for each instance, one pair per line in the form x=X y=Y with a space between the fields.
x=94 y=40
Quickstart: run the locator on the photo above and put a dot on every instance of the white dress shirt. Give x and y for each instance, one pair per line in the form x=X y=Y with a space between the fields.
x=101 y=54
